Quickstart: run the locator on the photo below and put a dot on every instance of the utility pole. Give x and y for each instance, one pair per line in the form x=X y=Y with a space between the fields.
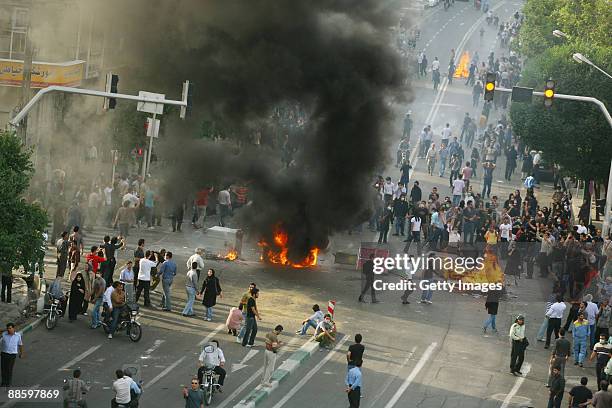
x=25 y=84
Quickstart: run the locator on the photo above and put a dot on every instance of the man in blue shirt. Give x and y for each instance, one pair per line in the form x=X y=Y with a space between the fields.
x=353 y=385
x=167 y=273
x=11 y=345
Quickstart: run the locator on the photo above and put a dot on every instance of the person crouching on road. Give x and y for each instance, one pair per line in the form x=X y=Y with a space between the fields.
x=326 y=333
x=234 y=320
x=272 y=347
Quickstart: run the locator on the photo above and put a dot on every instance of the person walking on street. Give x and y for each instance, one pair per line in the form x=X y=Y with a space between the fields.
x=580 y=394
x=167 y=273
x=554 y=315
x=603 y=397
x=581 y=332
x=491 y=304
x=197 y=258
x=601 y=352
x=97 y=291
x=251 y=324
x=353 y=385
x=62 y=245
x=11 y=346
x=243 y=306
x=519 y=344
x=211 y=288
x=560 y=354
x=144 y=277
x=367 y=273
x=557 y=388
x=272 y=347
x=191 y=284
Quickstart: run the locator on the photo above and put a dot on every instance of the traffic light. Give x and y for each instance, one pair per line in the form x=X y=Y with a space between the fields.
x=111 y=86
x=187 y=97
x=549 y=93
x=140 y=152
x=489 y=86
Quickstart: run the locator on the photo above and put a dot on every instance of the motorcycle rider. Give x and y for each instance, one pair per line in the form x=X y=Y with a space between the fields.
x=215 y=359
x=124 y=386
x=117 y=306
x=75 y=390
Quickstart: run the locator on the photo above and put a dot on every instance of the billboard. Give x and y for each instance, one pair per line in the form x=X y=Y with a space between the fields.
x=44 y=74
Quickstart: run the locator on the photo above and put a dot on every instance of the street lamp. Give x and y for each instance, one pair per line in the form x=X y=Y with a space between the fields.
x=579 y=58
x=559 y=34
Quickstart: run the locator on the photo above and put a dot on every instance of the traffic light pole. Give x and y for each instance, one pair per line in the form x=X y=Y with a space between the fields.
x=607 y=216
x=91 y=92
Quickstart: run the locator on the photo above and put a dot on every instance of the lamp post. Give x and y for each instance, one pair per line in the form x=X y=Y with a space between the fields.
x=579 y=58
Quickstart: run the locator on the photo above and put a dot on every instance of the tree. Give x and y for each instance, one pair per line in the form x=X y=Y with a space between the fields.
x=573 y=134
x=21 y=223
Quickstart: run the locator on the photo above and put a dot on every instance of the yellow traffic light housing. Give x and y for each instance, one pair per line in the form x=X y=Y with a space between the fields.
x=489 y=88
x=549 y=93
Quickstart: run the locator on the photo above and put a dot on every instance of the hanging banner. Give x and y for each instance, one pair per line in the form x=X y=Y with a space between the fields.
x=43 y=74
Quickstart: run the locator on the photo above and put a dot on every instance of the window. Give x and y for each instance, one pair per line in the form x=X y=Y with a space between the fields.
x=20 y=19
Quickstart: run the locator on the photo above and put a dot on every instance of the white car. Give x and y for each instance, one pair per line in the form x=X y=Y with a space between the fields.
x=430 y=3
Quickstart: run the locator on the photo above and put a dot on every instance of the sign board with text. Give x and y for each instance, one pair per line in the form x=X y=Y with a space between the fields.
x=44 y=74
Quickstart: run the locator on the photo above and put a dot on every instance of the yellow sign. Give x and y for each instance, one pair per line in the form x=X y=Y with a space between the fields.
x=43 y=74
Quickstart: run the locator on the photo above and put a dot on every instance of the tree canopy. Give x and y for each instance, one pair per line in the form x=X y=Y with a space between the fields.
x=21 y=223
x=575 y=135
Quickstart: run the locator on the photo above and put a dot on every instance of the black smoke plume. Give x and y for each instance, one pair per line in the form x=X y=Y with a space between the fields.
x=246 y=57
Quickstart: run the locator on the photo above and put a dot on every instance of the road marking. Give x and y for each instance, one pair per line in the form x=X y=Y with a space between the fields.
x=256 y=376
x=517 y=384
x=241 y=364
x=211 y=335
x=78 y=358
x=392 y=378
x=163 y=373
x=156 y=344
x=310 y=374
x=412 y=375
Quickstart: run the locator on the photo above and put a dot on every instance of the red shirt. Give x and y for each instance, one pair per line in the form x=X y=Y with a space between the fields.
x=95 y=260
x=202 y=197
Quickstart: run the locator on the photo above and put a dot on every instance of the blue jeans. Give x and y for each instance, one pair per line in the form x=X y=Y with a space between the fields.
x=95 y=314
x=191 y=294
x=116 y=312
x=468 y=232
x=426 y=294
x=542 y=332
x=209 y=313
x=442 y=166
x=306 y=325
x=243 y=328
x=456 y=200
x=580 y=349
x=166 y=301
x=490 y=321
x=399 y=225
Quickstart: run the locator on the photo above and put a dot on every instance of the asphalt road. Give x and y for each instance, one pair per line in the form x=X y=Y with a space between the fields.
x=416 y=355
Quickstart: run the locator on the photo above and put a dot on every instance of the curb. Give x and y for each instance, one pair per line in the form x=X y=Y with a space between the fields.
x=279 y=375
x=31 y=326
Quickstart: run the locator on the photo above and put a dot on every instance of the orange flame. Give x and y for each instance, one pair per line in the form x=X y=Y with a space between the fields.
x=463 y=67
x=277 y=253
x=231 y=255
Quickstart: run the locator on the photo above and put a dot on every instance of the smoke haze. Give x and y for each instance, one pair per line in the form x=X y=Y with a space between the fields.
x=245 y=58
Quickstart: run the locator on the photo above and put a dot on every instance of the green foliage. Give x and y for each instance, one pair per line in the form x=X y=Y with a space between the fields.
x=128 y=127
x=575 y=135
x=21 y=223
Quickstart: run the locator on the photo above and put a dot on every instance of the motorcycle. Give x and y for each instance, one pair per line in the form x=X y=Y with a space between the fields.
x=55 y=309
x=127 y=321
x=209 y=379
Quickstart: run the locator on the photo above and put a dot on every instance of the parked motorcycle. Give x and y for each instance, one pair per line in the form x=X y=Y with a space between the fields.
x=55 y=309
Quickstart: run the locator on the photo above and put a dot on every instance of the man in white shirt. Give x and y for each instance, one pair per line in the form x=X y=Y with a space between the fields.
x=554 y=315
x=144 y=278
x=387 y=190
x=123 y=386
x=592 y=311
x=435 y=65
x=458 y=189
x=225 y=205
x=399 y=191
x=212 y=356
x=446 y=134
x=108 y=201
x=582 y=229
x=131 y=198
x=197 y=258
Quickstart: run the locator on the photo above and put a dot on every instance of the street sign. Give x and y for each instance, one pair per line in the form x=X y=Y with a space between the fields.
x=151 y=107
x=520 y=94
x=153 y=129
